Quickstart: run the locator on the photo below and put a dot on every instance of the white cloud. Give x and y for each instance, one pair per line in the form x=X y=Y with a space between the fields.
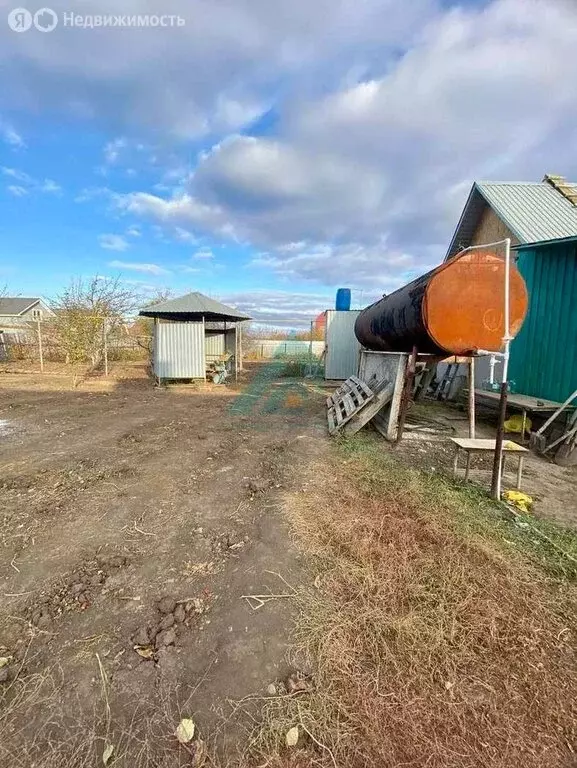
x=149 y=269
x=183 y=236
x=244 y=50
x=133 y=232
x=282 y=309
x=14 y=173
x=363 y=184
x=203 y=254
x=11 y=137
x=50 y=186
x=30 y=184
x=112 y=150
x=17 y=190
x=113 y=242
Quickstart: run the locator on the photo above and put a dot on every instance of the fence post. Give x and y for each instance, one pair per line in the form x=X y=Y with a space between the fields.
x=40 y=351
x=105 y=347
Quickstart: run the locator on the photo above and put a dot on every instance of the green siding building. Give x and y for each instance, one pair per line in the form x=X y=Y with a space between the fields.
x=544 y=354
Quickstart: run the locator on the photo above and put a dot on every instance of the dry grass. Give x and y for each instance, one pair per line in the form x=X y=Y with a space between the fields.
x=38 y=731
x=436 y=640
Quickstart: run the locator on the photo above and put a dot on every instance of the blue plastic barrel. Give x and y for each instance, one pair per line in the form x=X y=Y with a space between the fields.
x=343 y=303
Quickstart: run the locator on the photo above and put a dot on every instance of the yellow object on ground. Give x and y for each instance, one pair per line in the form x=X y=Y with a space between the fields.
x=515 y=424
x=520 y=500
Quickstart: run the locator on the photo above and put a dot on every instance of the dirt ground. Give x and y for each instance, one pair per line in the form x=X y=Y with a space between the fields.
x=134 y=520
x=426 y=445
x=136 y=524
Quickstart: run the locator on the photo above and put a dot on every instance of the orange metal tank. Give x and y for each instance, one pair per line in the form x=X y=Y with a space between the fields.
x=456 y=309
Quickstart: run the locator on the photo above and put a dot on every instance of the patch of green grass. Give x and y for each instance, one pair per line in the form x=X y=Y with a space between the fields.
x=468 y=509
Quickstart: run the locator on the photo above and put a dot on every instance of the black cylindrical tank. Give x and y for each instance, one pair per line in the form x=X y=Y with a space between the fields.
x=455 y=309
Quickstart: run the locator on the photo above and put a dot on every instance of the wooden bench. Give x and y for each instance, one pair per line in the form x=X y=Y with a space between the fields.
x=473 y=445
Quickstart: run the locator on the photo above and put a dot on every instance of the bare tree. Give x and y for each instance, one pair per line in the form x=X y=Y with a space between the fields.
x=142 y=326
x=87 y=310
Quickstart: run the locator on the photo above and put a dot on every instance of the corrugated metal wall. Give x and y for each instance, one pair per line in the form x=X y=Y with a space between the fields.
x=179 y=351
x=214 y=345
x=342 y=346
x=544 y=354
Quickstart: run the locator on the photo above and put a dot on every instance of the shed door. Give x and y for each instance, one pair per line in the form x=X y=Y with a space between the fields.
x=179 y=351
x=342 y=359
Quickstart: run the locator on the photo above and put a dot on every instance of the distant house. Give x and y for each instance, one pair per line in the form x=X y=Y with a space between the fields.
x=541 y=220
x=17 y=311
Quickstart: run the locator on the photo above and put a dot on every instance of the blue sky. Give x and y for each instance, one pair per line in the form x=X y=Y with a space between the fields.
x=267 y=153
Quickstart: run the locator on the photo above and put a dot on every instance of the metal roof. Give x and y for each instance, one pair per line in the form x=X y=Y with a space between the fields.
x=194 y=306
x=16 y=306
x=533 y=211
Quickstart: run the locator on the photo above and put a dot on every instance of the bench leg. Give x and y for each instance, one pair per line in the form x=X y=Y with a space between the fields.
x=456 y=461
x=468 y=467
x=520 y=471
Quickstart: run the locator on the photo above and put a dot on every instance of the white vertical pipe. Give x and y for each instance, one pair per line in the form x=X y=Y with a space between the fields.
x=507 y=340
x=507 y=336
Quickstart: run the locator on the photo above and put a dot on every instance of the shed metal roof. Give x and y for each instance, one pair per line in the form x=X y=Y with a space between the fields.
x=533 y=211
x=14 y=306
x=194 y=305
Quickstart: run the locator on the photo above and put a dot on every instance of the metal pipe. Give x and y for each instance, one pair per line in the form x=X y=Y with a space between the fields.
x=498 y=459
x=471 y=399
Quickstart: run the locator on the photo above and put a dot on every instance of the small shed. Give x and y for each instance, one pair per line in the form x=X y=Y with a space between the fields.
x=190 y=333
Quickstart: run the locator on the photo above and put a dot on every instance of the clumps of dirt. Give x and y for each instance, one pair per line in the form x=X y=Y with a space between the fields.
x=229 y=543
x=257 y=486
x=172 y=618
x=295 y=683
x=129 y=439
x=74 y=593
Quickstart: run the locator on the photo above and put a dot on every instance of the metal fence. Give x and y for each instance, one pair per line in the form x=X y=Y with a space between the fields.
x=269 y=349
x=44 y=341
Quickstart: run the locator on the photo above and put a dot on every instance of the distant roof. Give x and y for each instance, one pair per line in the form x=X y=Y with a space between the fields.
x=16 y=305
x=533 y=211
x=193 y=306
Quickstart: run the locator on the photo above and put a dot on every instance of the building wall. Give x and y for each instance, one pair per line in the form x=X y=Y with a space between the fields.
x=491 y=229
x=178 y=351
x=14 y=321
x=544 y=354
x=342 y=346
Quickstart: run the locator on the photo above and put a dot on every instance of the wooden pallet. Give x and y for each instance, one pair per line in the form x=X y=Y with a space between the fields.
x=371 y=410
x=347 y=401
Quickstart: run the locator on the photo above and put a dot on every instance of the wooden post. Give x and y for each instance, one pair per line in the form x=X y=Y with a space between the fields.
x=40 y=351
x=472 y=398
x=236 y=349
x=105 y=347
x=407 y=393
x=497 y=463
x=240 y=368
x=311 y=350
